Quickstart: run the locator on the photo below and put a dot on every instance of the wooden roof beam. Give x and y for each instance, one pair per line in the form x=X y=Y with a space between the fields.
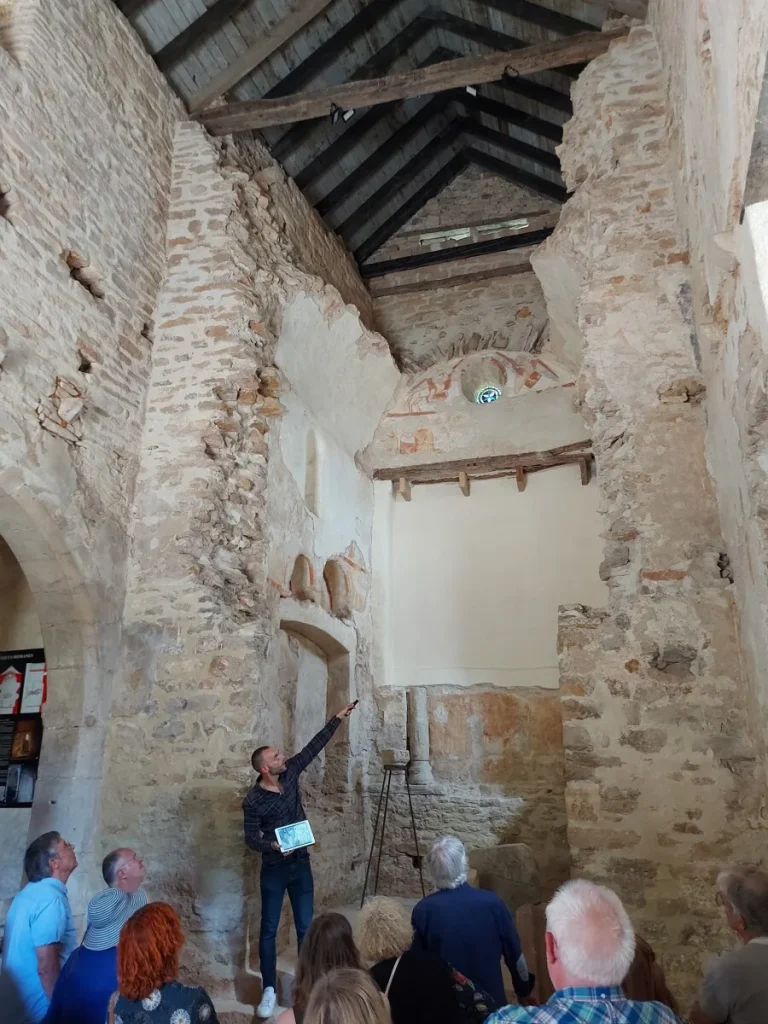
x=505 y=112
x=373 y=164
x=517 y=175
x=481 y=131
x=273 y=39
x=544 y=17
x=441 y=77
x=433 y=187
x=371 y=207
x=201 y=28
x=455 y=252
x=488 y=465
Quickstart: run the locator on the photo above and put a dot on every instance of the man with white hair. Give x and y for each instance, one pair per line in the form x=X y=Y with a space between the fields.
x=471 y=929
x=590 y=947
x=735 y=986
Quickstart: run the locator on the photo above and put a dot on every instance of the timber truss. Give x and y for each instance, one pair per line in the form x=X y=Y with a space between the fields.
x=375 y=106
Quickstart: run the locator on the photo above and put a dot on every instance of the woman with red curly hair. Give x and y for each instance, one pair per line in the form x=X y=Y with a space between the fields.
x=147 y=969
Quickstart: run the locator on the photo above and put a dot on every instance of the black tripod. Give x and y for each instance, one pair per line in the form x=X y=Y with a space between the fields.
x=384 y=799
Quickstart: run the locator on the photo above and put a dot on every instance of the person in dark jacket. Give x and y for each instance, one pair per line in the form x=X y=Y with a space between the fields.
x=472 y=929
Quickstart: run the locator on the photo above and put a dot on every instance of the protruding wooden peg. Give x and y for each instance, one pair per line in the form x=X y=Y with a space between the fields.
x=521 y=477
x=402 y=488
x=464 y=484
x=586 y=471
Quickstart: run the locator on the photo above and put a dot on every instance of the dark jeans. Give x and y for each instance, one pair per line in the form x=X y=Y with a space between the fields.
x=295 y=875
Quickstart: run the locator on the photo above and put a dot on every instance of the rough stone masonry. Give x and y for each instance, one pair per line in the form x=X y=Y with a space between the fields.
x=663 y=784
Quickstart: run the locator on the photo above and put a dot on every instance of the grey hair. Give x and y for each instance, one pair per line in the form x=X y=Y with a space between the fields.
x=109 y=867
x=745 y=889
x=594 y=936
x=38 y=857
x=448 y=863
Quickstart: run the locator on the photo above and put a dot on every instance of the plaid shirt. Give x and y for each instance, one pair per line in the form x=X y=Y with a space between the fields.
x=586 y=1006
x=265 y=810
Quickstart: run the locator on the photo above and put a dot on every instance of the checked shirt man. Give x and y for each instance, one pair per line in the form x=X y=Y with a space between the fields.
x=590 y=946
x=275 y=801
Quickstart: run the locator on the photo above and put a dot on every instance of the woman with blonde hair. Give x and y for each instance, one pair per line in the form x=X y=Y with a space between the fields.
x=328 y=944
x=420 y=986
x=347 y=996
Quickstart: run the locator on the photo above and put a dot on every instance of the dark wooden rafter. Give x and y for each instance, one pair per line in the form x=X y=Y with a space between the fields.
x=438 y=78
x=543 y=94
x=433 y=187
x=492 y=38
x=131 y=7
x=478 y=130
x=517 y=175
x=504 y=112
x=372 y=164
x=329 y=51
x=456 y=252
x=369 y=209
x=489 y=466
x=295 y=136
x=454 y=281
x=201 y=28
x=544 y=17
x=299 y=133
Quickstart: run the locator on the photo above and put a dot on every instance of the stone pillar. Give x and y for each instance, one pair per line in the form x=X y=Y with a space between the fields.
x=418 y=737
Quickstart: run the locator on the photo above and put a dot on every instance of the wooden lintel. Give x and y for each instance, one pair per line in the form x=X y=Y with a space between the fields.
x=452 y=74
x=464 y=484
x=488 y=465
x=521 y=477
x=454 y=281
x=586 y=470
x=402 y=488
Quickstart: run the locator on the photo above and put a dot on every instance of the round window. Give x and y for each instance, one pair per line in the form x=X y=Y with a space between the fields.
x=487 y=394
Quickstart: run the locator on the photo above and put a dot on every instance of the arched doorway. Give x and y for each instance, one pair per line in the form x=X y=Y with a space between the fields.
x=58 y=607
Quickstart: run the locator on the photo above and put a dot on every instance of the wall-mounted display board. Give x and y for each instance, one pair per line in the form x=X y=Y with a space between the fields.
x=23 y=690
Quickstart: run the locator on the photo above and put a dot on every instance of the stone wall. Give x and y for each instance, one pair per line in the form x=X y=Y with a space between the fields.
x=714 y=63
x=221 y=518
x=86 y=125
x=663 y=785
x=450 y=309
x=497 y=762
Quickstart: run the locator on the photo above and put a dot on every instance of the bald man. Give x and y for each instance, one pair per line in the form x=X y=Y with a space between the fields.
x=123 y=869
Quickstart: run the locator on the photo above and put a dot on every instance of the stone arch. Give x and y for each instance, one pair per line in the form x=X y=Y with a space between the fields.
x=67 y=791
x=302 y=583
x=337 y=641
x=339 y=588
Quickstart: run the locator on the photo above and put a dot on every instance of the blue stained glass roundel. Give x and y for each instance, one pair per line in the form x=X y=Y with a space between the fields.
x=488 y=394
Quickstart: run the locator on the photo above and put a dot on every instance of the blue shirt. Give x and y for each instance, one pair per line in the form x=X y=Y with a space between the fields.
x=586 y=1006
x=38 y=916
x=86 y=982
x=472 y=929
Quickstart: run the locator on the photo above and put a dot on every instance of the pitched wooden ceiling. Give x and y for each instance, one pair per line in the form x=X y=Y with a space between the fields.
x=369 y=171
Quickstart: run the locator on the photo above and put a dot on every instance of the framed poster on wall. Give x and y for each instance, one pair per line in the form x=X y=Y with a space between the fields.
x=23 y=691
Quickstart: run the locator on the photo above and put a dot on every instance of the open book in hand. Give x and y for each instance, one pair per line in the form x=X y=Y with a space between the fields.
x=294 y=837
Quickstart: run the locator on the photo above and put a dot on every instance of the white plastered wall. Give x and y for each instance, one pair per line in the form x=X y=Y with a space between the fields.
x=468 y=588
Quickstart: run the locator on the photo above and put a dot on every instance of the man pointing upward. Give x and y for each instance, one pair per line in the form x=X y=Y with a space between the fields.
x=275 y=801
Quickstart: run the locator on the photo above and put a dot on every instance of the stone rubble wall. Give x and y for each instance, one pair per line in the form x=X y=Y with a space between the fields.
x=86 y=132
x=219 y=520
x=714 y=62
x=663 y=783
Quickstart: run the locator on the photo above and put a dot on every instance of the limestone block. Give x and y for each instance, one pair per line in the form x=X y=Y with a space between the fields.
x=510 y=870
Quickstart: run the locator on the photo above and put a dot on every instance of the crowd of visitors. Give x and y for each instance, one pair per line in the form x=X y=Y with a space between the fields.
x=440 y=963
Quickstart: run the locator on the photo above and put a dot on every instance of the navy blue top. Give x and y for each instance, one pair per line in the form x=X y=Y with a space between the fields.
x=472 y=929
x=83 y=989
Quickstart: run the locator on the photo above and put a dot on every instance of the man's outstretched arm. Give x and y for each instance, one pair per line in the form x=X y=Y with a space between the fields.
x=306 y=756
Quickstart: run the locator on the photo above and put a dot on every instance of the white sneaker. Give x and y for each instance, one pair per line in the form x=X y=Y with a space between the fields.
x=268 y=1002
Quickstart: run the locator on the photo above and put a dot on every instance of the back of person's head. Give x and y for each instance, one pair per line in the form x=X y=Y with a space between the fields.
x=328 y=943
x=38 y=856
x=347 y=996
x=447 y=861
x=148 y=950
x=645 y=982
x=744 y=891
x=594 y=938
x=383 y=930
